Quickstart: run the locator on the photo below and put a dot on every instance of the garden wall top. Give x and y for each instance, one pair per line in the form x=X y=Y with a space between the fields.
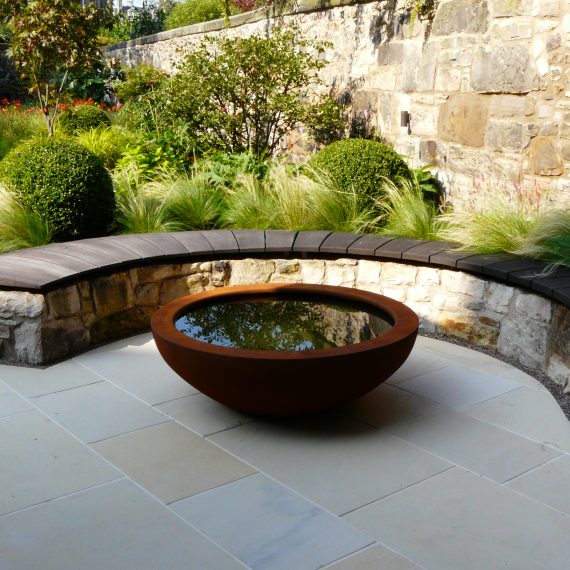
x=42 y=269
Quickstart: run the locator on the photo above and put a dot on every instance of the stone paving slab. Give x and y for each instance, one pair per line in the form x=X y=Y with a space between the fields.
x=11 y=403
x=376 y=558
x=113 y=527
x=458 y=387
x=171 y=462
x=543 y=484
x=60 y=496
x=268 y=527
x=458 y=520
x=40 y=462
x=98 y=411
x=475 y=445
x=338 y=462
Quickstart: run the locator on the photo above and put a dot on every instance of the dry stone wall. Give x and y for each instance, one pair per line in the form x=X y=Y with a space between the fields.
x=487 y=86
x=526 y=327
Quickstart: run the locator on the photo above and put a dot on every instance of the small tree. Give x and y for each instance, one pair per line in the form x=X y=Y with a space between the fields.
x=241 y=94
x=50 y=38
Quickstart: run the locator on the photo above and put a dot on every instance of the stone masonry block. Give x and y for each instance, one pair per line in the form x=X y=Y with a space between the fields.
x=246 y=271
x=503 y=69
x=463 y=119
x=456 y=16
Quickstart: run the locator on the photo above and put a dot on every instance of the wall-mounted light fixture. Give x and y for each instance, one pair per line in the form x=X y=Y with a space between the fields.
x=406 y=120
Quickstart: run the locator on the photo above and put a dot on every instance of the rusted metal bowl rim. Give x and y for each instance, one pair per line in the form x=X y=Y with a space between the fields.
x=405 y=321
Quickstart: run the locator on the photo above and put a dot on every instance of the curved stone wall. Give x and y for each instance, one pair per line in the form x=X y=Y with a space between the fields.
x=515 y=323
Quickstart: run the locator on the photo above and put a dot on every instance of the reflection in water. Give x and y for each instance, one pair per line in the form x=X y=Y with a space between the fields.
x=282 y=325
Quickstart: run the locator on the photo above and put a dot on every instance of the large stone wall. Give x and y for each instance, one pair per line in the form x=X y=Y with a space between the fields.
x=526 y=327
x=487 y=88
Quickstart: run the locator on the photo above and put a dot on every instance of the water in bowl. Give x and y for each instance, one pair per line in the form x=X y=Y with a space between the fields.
x=276 y=324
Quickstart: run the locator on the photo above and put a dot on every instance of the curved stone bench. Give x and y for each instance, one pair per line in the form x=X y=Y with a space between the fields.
x=61 y=299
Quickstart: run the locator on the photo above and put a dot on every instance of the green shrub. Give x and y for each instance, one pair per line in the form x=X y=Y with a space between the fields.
x=239 y=94
x=138 y=81
x=83 y=118
x=193 y=12
x=64 y=183
x=360 y=166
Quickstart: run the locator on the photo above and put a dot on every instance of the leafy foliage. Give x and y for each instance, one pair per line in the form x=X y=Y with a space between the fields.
x=50 y=38
x=84 y=118
x=63 y=183
x=193 y=12
x=360 y=166
x=241 y=94
x=138 y=81
x=144 y=20
x=108 y=143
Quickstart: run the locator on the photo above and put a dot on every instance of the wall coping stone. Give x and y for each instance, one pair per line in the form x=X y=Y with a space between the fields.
x=300 y=7
x=46 y=268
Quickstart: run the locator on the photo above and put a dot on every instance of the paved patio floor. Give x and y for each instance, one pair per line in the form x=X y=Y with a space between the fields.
x=110 y=461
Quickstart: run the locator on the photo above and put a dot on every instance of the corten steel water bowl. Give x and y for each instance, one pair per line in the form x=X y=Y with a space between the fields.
x=285 y=382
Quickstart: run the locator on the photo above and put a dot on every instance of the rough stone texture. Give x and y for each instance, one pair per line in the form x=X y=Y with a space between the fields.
x=503 y=69
x=463 y=119
x=457 y=16
x=513 y=53
x=517 y=324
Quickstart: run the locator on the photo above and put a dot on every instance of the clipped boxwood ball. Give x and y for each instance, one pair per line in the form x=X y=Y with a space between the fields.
x=361 y=165
x=84 y=118
x=65 y=184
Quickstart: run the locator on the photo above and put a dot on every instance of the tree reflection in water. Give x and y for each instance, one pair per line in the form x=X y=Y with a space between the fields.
x=282 y=325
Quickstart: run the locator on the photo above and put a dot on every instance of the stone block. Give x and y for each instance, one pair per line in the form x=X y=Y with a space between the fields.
x=20 y=304
x=63 y=338
x=247 y=271
x=544 y=158
x=147 y=294
x=27 y=347
x=5 y=331
x=463 y=119
x=499 y=297
x=118 y=325
x=526 y=340
x=338 y=274
x=558 y=371
x=425 y=78
x=506 y=135
x=469 y=328
x=503 y=69
x=286 y=266
x=564 y=129
x=112 y=294
x=368 y=272
x=409 y=71
x=507 y=106
x=391 y=53
x=398 y=274
x=428 y=276
x=508 y=30
x=458 y=282
x=64 y=302
x=546 y=8
x=457 y=16
x=220 y=272
x=177 y=287
x=509 y=8
x=312 y=271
